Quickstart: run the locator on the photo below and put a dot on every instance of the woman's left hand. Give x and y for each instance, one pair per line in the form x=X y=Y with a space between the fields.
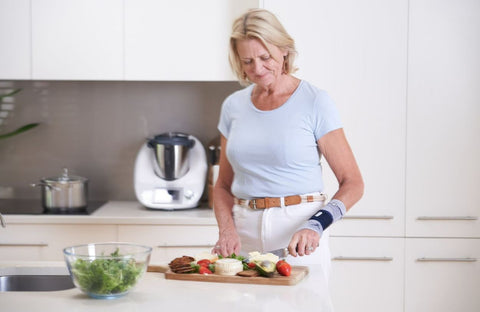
x=303 y=242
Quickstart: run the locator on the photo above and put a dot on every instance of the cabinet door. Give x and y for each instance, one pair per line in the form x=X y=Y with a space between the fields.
x=179 y=40
x=357 y=51
x=170 y=241
x=77 y=39
x=34 y=242
x=442 y=275
x=443 y=152
x=367 y=274
x=15 y=39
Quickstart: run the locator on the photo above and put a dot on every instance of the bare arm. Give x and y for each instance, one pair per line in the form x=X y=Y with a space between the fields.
x=339 y=155
x=337 y=152
x=229 y=241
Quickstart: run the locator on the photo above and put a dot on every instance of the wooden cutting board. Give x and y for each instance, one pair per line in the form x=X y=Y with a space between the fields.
x=298 y=273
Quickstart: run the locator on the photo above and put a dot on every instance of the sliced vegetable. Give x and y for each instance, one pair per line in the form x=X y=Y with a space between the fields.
x=204 y=262
x=204 y=270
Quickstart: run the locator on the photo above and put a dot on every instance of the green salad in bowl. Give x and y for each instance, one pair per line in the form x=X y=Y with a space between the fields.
x=107 y=270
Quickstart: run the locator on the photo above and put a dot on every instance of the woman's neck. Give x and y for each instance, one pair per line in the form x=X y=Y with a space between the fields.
x=274 y=96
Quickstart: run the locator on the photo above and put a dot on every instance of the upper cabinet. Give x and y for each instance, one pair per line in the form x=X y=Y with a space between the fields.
x=77 y=40
x=15 y=39
x=443 y=151
x=117 y=40
x=179 y=40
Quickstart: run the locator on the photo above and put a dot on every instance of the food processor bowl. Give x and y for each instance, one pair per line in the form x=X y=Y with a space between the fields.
x=171 y=154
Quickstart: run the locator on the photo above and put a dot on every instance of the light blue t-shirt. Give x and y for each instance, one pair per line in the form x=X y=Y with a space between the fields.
x=274 y=153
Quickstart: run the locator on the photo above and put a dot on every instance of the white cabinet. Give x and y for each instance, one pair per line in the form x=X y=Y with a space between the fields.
x=15 y=60
x=34 y=242
x=31 y=242
x=356 y=51
x=443 y=148
x=179 y=40
x=443 y=275
x=367 y=274
x=117 y=40
x=170 y=241
x=404 y=75
x=77 y=40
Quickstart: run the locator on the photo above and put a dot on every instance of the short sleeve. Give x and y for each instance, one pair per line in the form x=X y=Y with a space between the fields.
x=326 y=115
x=225 y=119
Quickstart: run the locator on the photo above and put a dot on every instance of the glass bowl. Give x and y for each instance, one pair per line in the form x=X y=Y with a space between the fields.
x=107 y=270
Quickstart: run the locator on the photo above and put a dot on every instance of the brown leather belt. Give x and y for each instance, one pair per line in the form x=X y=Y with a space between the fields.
x=269 y=202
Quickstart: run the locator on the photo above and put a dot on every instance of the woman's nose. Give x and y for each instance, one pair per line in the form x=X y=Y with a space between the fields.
x=257 y=66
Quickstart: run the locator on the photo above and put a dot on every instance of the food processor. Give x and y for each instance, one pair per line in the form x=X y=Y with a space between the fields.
x=170 y=172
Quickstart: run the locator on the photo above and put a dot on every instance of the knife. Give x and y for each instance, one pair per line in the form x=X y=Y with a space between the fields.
x=282 y=253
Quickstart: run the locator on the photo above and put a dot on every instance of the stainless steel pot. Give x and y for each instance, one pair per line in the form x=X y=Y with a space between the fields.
x=64 y=192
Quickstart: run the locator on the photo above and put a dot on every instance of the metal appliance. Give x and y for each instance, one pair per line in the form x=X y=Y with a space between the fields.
x=170 y=172
x=65 y=192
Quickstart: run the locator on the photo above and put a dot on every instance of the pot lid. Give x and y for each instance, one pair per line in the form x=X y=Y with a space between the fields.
x=65 y=178
x=172 y=138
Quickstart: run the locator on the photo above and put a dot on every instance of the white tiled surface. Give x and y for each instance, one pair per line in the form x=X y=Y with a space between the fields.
x=96 y=129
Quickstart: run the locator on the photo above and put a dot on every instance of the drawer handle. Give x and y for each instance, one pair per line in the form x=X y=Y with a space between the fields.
x=2 y=221
x=453 y=218
x=426 y=259
x=340 y=258
x=23 y=244
x=368 y=217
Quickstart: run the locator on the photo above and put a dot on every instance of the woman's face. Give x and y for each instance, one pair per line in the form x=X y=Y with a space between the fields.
x=261 y=67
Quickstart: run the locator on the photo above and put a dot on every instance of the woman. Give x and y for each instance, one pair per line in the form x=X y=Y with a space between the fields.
x=268 y=194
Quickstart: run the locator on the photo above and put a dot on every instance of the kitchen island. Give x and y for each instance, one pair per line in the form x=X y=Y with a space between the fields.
x=155 y=293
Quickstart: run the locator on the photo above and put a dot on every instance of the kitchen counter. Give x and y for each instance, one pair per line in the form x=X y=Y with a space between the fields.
x=154 y=292
x=122 y=212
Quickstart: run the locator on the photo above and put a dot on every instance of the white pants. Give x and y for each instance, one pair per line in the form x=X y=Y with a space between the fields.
x=265 y=230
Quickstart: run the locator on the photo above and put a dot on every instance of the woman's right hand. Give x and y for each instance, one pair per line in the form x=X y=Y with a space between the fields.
x=228 y=243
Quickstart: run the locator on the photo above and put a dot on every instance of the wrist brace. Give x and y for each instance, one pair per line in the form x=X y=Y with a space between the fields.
x=320 y=221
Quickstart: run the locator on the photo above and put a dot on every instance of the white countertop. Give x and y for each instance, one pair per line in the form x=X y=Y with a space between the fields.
x=122 y=212
x=155 y=293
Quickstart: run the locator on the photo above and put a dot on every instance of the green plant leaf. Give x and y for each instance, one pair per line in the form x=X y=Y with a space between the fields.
x=19 y=130
x=10 y=94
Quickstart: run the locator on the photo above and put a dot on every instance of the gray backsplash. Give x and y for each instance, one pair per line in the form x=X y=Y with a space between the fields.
x=96 y=129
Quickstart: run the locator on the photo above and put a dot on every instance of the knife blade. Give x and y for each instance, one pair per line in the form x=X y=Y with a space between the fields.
x=282 y=253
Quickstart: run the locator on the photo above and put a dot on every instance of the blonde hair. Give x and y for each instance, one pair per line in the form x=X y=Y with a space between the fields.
x=262 y=25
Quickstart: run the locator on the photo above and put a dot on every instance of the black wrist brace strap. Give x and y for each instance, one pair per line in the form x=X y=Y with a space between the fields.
x=324 y=217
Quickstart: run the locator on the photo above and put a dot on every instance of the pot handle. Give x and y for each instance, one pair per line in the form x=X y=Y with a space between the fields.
x=46 y=185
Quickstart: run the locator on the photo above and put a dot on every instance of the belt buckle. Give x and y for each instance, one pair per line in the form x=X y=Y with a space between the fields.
x=254 y=204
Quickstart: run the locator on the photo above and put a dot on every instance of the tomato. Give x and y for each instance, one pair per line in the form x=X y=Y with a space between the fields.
x=204 y=270
x=251 y=265
x=204 y=262
x=284 y=268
